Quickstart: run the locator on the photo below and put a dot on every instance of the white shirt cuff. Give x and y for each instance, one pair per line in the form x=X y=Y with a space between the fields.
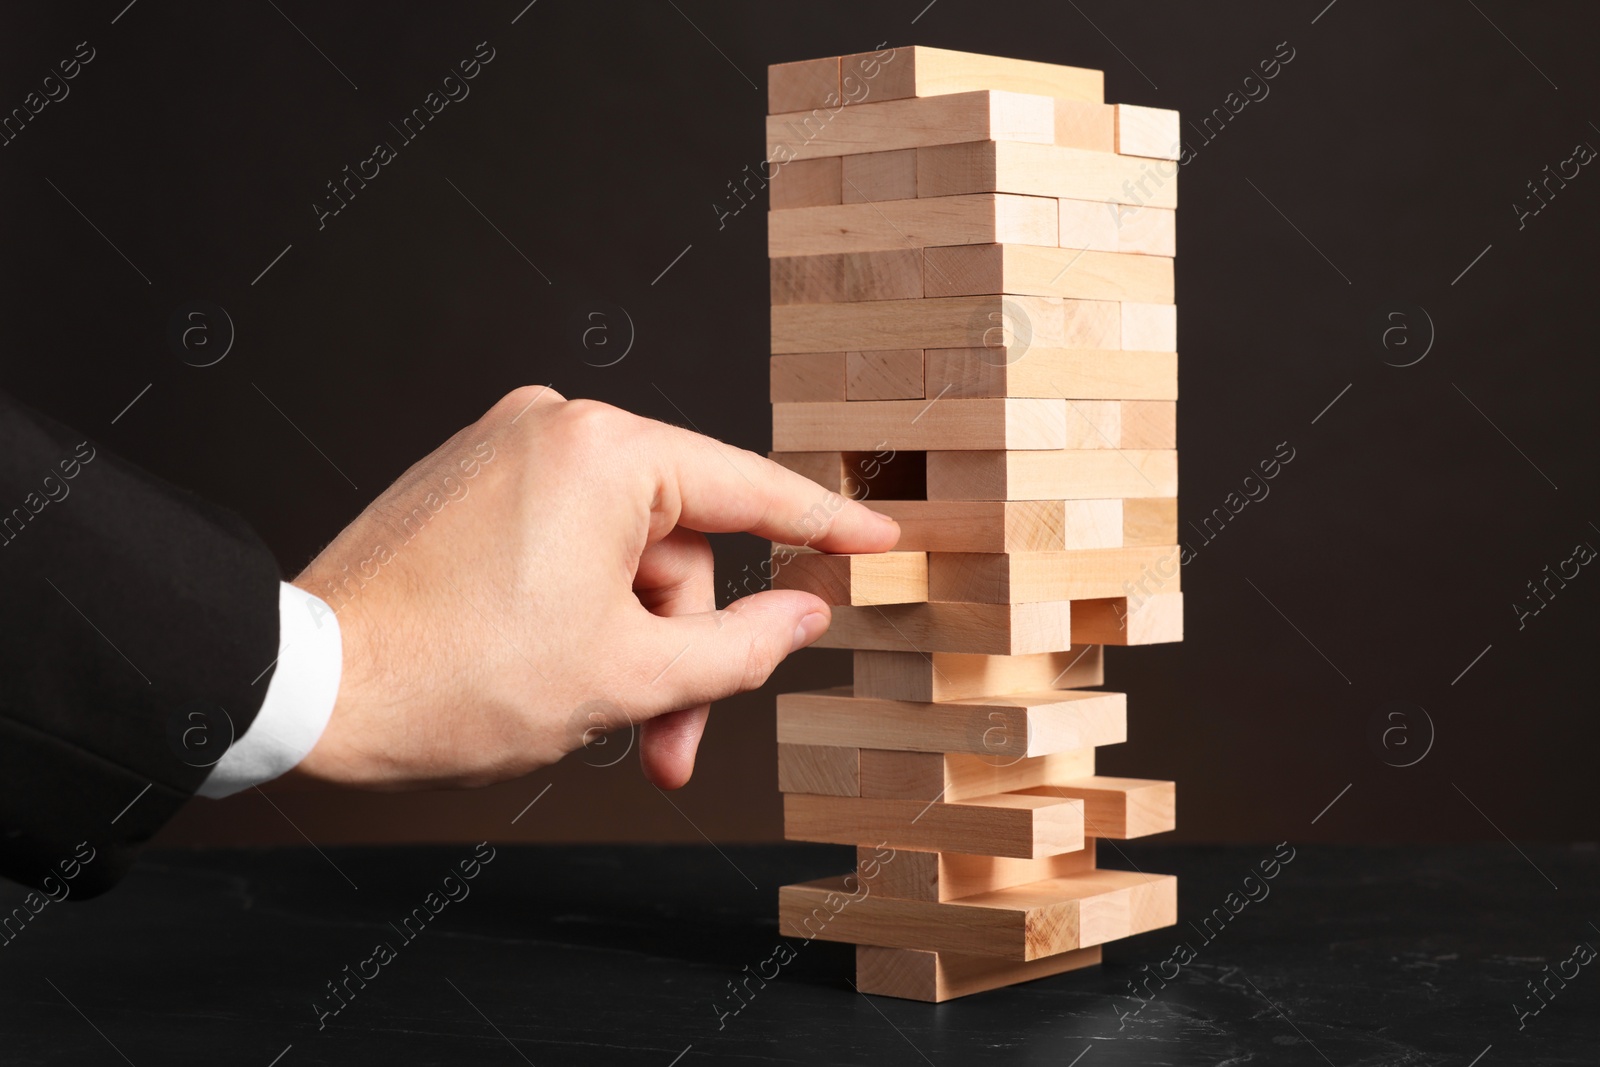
x=299 y=699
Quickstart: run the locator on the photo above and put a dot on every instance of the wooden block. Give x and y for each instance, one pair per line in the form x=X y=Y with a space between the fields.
x=1017 y=725
x=1081 y=474
x=946 y=322
x=814 y=376
x=1094 y=423
x=1102 y=226
x=819 y=769
x=990 y=629
x=1148 y=131
x=888 y=125
x=1081 y=373
x=1006 y=824
x=942 y=676
x=1092 y=324
x=1144 y=522
x=893 y=374
x=1023 y=922
x=922 y=71
x=1010 y=166
x=810 y=83
x=914 y=875
x=1142 y=620
x=1013 y=578
x=978 y=218
x=1149 y=424
x=1031 y=270
x=1118 y=808
x=872 y=177
x=805 y=183
x=831 y=470
x=1086 y=125
x=951 y=776
x=918 y=424
x=892 y=274
x=875 y=578
x=1150 y=327
x=1006 y=525
x=935 y=977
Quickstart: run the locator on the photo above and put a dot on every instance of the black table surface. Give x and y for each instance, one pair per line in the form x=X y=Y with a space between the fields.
x=630 y=955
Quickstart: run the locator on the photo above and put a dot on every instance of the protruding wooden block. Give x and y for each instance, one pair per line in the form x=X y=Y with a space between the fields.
x=1144 y=522
x=1150 y=327
x=1007 y=824
x=1088 y=374
x=990 y=629
x=1022 y=724
x=894 y=374
x=939 y=676
x=950 y=776
x=827 y=770
x=979 y=218
x=1018 y=577
x=872 y=177
x=1136 y=620
x=919 y=425
x=805 y=183
x=1149 y=424
x=1023 y=923
x=812 y=376
x=935 y=977
x=1118 y=808
x=1148 y=131
x=1082 y=474
x=1102 y=226
x=876 y=578
x=1031 y=270
x=810 y=83
x=910 y=874
x=1005 y=525
x=922 y=71
x=879 y=125
x=1010 y=166
x=946 y=322
x=892 y=274
x=1085 y=125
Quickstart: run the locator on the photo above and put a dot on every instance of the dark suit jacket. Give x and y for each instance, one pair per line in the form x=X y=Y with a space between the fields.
x=132 y=612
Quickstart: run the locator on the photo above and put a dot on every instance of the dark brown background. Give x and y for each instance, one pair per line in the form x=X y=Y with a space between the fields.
x=598 y=142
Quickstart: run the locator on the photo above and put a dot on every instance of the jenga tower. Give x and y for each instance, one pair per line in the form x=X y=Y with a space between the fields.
x=973 y=331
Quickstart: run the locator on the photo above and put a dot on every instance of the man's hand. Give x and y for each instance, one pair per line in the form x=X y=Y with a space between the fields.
x=545 y=575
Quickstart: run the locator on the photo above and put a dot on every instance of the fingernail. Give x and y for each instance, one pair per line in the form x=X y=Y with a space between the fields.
x=885 y=518
x=811 y=627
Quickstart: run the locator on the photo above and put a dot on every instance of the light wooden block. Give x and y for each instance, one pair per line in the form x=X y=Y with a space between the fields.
x=920 y=425
x=999 y=727
x=943 y=676
x=894 y=374
x=1013 y=578
x=989 y=629
x=977 y=218
x=875 y=578
x=813 y=376
x=1006 y=824
x=1081 y=474
x=1023 y=922
x=831 y=470
x=1148 y=131
x=916 y=875
x=1086 y=125
x=1118 y=808
x=1142 y=620
x=1092 y=324
x=1150 y=327
x=935 y=977
x=1011 y=166
x=888 y=125
x=820 y=769
x=872 y=177
x=1144 y=522
x=1094 y=424
x=801 y=86
x=922 y=71
x=1103 y=226
x=1090 y=374
x=951 y=777
x=1006 y=525
x=891 y=274
x=947 y=322
x=805 y=183
x=1031 y=270
x=1149 y=424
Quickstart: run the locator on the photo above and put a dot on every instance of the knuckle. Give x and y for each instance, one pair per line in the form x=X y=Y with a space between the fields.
x=760 y=660
x=589 y=423
x=523 y=397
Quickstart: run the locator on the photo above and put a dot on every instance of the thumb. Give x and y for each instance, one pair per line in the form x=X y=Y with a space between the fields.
x=715 y=654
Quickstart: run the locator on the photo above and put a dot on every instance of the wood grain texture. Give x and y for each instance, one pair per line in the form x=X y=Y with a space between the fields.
x=872 y=177
x=1005 y=525
x=1006 y=824
x=935 y=977
x=939 y=676
x=891 y=274
x=918 y=875
x=1086 y=125
x=880 y=125
x=978 y=218
x=1118 y=808
x=991 y=629
x=805 y=183
x=1149 y=424
x=1018 y=577
x=827 y=770
x=1102 y=226
x=1032 y=270
x=1018 y=725
x=946 y=322
x=1089 y=374
x=813 y=376
x=1150 y=327
x=1153 y=521
x=920 y=425
x=1142 y=620
x=1011 y=166
x=952 y=776
x=801 y=86
x=875 y=578
x=893 y=374
x=1081 y=474
x=922 y=71
x=1148 y=131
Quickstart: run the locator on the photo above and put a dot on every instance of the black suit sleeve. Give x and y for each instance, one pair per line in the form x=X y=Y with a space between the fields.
x=133 y=611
